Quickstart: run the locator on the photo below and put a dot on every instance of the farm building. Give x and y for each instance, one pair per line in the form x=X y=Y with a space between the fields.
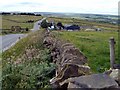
x=60 y=26
x=72 y=27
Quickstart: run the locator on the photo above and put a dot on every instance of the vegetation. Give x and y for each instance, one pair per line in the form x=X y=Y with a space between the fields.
x=22 y=13
x=27 y=65
x=18 y=20
x=44 y=24
x=95 y=45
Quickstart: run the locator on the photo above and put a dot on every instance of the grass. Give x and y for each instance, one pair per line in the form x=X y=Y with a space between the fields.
x=17 y=20
x=27 y=64
x=21 y=18
x=95 y=45
x=19 y=48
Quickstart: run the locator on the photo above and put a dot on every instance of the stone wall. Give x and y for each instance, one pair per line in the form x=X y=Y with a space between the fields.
x=71 y=63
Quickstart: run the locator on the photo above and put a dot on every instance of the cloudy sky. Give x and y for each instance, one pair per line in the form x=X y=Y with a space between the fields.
x=70 y=6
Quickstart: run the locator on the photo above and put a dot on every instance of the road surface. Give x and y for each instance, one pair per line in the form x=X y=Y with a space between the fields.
x=9 y=40
x=37 y=25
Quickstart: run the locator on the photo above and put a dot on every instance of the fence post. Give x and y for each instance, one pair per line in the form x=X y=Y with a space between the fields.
x=112 y=52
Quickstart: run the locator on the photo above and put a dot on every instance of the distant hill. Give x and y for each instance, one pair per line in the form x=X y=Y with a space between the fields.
x=112 y=19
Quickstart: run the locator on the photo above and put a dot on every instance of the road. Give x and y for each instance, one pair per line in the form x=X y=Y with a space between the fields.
x=37 y=25
x=7 y=41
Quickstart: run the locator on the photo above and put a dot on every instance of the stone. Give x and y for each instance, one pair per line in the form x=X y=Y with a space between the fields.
x=66 y=45
x=99 y=81
x=75 y=51
x=68 y=71
x=115 y=74
x=73 y=59
x=72 y=85
x=48 y=42
x=116 y=66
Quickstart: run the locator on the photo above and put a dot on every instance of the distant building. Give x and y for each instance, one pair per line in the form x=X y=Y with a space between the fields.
x=98 y=29
x=60 y=26
x=72 y=27
x=51 y=25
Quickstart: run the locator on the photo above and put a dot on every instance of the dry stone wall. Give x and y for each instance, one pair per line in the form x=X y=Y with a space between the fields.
x=71 y=64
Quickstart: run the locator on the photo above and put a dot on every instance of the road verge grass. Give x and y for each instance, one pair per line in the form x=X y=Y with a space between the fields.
x=27 y=65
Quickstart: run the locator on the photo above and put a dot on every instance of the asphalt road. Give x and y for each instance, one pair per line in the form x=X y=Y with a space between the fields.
x=37 y=25
x=9 y=40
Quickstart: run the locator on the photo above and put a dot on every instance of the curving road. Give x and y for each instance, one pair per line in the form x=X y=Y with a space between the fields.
x=37 y=25
x=9 y=40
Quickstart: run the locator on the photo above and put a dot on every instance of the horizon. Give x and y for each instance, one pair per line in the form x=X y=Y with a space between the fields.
x=108 y=7
x=58 y=13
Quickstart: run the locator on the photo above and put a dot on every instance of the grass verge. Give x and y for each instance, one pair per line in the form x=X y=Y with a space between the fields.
x=27 y=65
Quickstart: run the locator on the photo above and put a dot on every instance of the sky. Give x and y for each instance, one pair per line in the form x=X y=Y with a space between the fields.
x=65 y=6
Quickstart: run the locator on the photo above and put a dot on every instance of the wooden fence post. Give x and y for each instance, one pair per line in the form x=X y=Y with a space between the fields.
x=112 y=52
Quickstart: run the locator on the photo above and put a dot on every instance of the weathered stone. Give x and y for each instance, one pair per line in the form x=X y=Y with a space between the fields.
x=77 y=86
x=75 y=51
x=48 y=42
x=116 y=66
x=68 y=46
x=115 y=74
x=58 y=44
x=108 y=72
x=73 y=59
x=70 y=70
x=72 y=85
x=65 y=45
x=99 y=81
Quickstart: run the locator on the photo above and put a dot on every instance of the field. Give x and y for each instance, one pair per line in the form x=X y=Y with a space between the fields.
x=18 y=20
x=95 y=45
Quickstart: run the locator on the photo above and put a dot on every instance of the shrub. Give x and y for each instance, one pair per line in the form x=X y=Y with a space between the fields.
x=29 y=73
x=44 y=24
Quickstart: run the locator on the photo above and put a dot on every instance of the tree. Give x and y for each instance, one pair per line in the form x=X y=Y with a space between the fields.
x=44 y=24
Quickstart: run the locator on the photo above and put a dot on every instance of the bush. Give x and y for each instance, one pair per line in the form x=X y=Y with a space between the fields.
x=44 y=24
x=27 y=29
x=30 y=74
x=34 y=72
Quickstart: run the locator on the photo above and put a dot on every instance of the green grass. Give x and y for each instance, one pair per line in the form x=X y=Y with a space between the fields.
x=7 y=24
x=95 y=45
x=21 y=18
x=17 y=20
